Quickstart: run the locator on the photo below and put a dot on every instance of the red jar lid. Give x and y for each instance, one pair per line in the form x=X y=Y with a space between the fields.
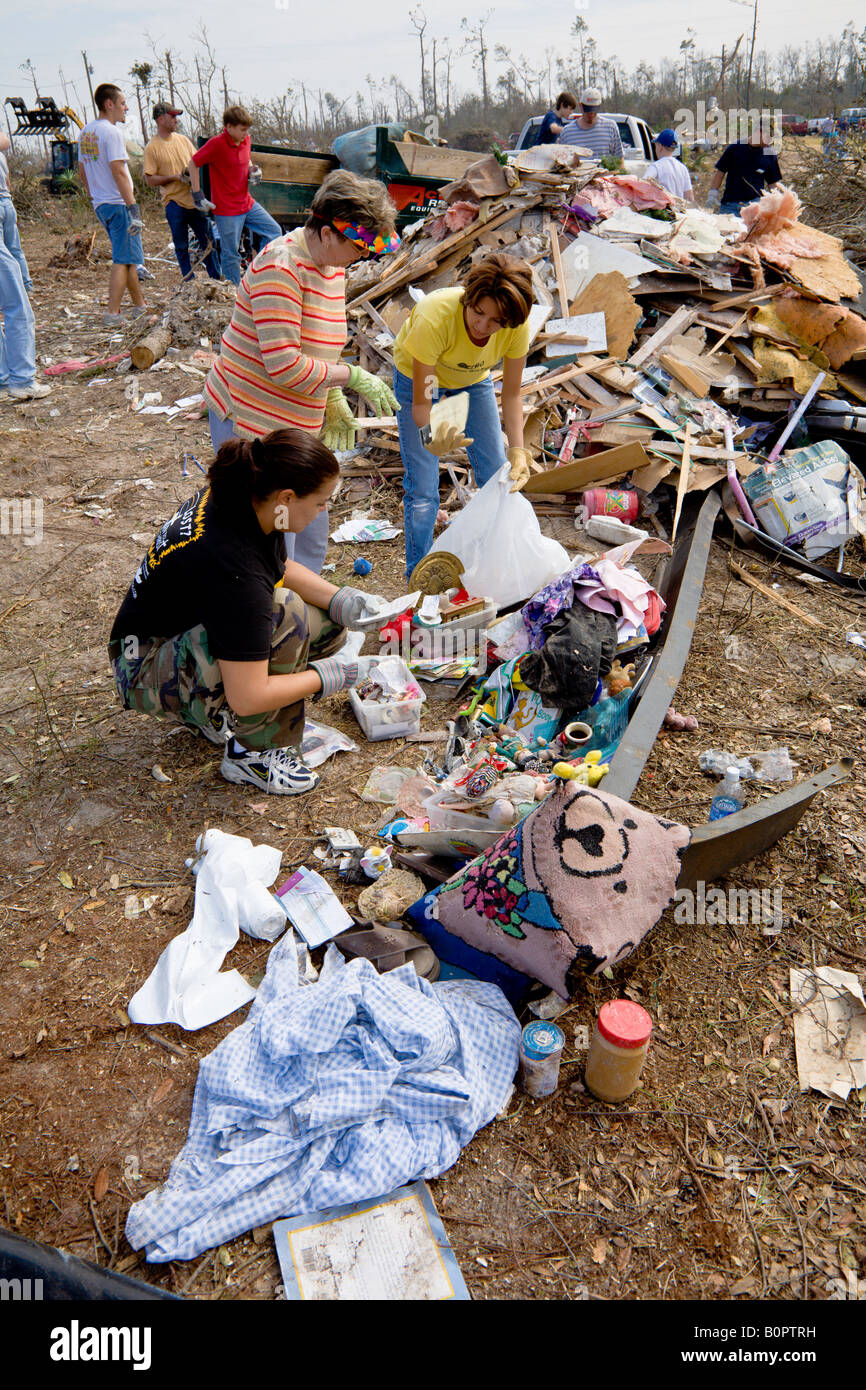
x=624 y=1024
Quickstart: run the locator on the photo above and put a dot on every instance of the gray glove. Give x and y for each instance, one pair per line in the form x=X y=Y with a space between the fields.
x=202 y=203
x=714 y=199
x=339 y=674
x=349 y=607
x=135 y=222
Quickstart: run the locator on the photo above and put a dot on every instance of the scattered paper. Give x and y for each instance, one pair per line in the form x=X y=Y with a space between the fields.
x=829 y=1030
x=364 y=529
x=312 y=907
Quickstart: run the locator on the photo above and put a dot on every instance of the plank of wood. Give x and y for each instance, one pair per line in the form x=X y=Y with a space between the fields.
x=375 y=422
x=729 y=332
x=433 y=162
x=542 y=383
x=375 y=316
x=690 y=377
x=553 y=237
x=591 y=471
x=681 y=319
x=287 y=168
x=748 y=298
x=771 y=594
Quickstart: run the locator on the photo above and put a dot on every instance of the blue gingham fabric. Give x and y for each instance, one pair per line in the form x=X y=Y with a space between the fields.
x=328 y=1094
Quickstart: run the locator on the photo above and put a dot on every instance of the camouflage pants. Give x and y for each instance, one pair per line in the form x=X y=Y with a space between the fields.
x=180 y=679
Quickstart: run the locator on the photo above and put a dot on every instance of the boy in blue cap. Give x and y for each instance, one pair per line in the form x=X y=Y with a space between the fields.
x=670 y=172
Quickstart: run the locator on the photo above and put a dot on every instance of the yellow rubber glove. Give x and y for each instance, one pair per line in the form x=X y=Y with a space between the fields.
x=339 y=428
x=446 y=439
x=520 y=459
x=375 y=390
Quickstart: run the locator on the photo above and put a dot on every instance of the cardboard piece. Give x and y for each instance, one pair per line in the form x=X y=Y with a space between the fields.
x=829 y=1031
x=588 y=255
x=592 y=471
x=610 y=294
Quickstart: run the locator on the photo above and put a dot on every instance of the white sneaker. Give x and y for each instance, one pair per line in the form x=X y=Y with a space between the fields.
x=215 y=733
x=113 y=320
x=34 y=392
x=138 y=310
x=277 y=770
x=144 y=273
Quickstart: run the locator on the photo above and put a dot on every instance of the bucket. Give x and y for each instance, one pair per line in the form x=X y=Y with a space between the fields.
x=607 y=501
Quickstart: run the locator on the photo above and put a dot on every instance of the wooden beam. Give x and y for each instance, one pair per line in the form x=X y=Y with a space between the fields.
x=679 y=321
x=771 y=594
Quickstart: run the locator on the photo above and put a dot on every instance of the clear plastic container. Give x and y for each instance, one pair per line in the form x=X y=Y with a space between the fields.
x=392 y=719
x=619 y=1046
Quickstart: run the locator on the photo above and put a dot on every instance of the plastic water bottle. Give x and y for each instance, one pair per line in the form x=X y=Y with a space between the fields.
x=729 y=797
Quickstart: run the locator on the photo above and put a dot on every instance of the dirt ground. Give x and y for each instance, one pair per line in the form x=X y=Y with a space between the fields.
x=717 y=1180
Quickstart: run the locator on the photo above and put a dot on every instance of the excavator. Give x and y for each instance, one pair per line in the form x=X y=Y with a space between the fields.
x=48 y=119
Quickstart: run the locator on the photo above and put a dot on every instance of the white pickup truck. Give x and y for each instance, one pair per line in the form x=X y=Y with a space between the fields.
x=635 y=134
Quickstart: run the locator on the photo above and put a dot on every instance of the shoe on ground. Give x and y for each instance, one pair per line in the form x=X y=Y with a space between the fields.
x=144 y=273
x=34 y=392
x=138 y=311
x=4 y=394
x=113 y=320
x=276 y=770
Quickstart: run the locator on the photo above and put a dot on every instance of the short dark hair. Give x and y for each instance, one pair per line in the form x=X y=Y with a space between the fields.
x=566 y=99
x=106 y=91
x=247 y=470
x=505 y=280
x=352 y=198
x=237 y=115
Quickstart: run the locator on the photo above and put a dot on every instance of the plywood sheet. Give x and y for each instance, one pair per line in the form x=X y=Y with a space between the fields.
x=610 y=294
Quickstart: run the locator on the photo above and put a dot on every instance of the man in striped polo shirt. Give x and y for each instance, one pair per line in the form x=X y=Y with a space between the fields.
x=592 y=131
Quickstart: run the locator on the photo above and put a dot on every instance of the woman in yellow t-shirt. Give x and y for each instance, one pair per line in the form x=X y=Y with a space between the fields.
x=448 y=344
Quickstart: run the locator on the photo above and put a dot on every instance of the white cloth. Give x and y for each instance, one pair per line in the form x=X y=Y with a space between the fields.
x=330 y=1094
x=186 y=985
x=672 y=174
x=98 y=144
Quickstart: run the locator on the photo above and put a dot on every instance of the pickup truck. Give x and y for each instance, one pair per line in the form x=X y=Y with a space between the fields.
x=413 y=173
x=635 y=134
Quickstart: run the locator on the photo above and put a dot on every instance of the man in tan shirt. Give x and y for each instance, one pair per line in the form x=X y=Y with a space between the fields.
x=166 y=157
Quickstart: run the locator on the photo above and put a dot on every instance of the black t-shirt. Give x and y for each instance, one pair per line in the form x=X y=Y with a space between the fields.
x=748 y=168
x=212 y=566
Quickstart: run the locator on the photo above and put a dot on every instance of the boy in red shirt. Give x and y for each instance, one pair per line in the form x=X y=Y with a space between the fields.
x=228 y=156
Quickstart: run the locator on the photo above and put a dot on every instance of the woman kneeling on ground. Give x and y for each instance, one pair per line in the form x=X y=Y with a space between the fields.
x=223 y=633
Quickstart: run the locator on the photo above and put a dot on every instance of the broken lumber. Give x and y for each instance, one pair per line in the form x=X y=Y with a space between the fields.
x=150 y=348
x=765 y=589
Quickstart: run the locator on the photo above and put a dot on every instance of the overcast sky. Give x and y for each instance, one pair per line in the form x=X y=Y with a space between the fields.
x=266 y=44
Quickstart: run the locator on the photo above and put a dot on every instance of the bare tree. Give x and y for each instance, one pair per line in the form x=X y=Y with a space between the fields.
x=476 y=37
x=418 y=20
x=142 y=74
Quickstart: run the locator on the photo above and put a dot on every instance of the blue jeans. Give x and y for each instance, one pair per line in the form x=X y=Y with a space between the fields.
x=421 y=468
x=18 y=330
x=257 y=221
x=307 y=547
x=9 y=234
x=182 y=221
x=125 y=245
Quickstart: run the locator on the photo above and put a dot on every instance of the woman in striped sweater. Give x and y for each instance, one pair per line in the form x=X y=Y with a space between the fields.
x=279 y=358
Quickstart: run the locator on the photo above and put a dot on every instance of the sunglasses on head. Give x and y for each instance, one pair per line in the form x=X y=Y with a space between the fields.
x=373 y=244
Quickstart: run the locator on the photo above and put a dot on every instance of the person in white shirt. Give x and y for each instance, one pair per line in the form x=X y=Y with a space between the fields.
x=104 y=168
x=670 y=172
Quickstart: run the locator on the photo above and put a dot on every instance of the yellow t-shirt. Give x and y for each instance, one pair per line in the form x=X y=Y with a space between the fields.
x=171 y=156
x=435 y=333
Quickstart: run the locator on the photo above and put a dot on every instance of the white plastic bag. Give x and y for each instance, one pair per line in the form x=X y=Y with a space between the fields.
x=498 y=540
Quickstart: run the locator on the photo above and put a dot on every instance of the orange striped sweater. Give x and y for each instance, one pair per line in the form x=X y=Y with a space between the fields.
x=289 y=320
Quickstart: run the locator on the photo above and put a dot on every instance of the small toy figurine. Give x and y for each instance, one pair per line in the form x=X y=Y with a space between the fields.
x=620 y=678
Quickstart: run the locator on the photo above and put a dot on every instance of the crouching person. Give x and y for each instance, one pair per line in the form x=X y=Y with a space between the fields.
x=219 y=631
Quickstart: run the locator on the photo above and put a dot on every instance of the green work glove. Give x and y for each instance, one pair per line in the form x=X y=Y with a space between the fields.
x=339 y=430
x=375 y=390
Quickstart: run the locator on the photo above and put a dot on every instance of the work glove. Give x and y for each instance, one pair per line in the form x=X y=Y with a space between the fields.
x=202 y=203
x=445 y=439
x=338 y=673
x=375 y=390
x=339 y=430
x=135 y=222
x=255 y=174
x=520 y=459
x=349 y=607
x=714 y=200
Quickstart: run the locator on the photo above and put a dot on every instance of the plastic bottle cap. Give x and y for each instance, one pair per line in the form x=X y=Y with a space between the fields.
x=541 y=1040
x=624 y=1024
